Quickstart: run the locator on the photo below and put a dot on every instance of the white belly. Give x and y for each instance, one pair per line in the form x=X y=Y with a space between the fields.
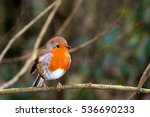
x=54 y=74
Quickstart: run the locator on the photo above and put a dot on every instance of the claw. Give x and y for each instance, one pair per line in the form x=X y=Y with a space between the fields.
x=45 y=87
x=59 y=86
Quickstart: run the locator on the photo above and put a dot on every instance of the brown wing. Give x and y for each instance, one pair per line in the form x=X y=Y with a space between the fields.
x=34 y=66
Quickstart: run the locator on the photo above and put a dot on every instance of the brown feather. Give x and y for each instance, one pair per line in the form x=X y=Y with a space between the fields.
x=34 y=66
x=39 y=82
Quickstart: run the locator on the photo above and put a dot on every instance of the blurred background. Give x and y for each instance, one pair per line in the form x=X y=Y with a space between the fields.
x=119 y=57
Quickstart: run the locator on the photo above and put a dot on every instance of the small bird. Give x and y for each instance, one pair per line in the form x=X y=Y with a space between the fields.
x=52 y=62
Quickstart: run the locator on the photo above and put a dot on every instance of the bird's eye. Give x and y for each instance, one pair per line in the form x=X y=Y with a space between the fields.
x=57 y=46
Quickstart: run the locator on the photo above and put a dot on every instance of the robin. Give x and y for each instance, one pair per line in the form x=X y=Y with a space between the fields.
x=52 y=62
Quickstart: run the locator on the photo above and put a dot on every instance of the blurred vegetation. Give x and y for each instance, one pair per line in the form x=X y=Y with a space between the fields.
x=120 y=57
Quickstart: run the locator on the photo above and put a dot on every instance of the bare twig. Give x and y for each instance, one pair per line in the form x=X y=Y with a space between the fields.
x=16 y=59
x=70 y=17
x=74 y=86
x=35 y=49
x=144 y=77
x=45 y=27
x=142 y=81
x=24 y=29
x=132 y=95
x=95 y=38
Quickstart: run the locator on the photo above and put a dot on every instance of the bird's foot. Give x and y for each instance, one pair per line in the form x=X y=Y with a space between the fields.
x=59 y=86
x=45 y=87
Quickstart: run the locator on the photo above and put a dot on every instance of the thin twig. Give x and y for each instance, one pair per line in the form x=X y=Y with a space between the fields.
x=142 y=81
x=24 y=29
x=70 y=17
x=16 y=59
x=45 y=27
x=144 y=77
x=132 y=95
x=35 y=49
x=95 y=38
x=74 y=86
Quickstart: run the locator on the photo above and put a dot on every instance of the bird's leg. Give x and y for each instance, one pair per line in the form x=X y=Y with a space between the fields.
x=45 y=86
x=59 y=86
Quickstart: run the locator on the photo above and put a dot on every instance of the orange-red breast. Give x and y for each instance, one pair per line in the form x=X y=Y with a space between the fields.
x=52 y=62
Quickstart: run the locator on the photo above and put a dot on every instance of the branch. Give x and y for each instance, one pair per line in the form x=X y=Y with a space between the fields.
x=16 y=59
x=74 y=86
x=70 y=17
x=35 y=49
x=24 y=29
x=144 y=77
x=142 y=81
x=95 y=38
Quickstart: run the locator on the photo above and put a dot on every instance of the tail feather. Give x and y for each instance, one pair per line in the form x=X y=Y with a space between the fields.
x=39 y=82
